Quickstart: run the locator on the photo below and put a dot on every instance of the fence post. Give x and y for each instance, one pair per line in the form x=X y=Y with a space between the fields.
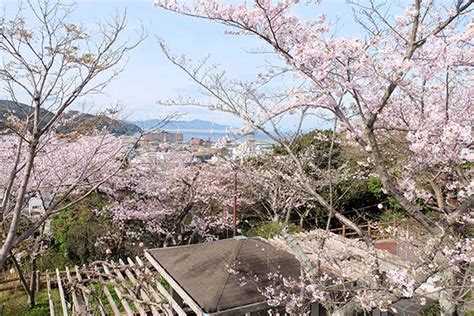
x=343 y=230
x=368 y=229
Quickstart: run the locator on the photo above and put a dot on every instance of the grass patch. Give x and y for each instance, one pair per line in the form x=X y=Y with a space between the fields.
x=16 y=303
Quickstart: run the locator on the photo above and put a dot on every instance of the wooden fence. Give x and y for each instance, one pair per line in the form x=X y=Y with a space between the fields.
x=104 y=288
x=110 y=288
x=370 y=228
x=376 y=231
x=12 y=283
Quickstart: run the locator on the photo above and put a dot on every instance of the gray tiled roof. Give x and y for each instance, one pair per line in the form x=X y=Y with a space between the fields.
x=202 y=270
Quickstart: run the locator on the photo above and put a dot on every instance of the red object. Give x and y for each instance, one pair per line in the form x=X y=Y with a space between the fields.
x=390 y=246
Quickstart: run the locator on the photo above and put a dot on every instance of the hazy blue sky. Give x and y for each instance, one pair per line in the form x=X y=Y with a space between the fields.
x=149 y=77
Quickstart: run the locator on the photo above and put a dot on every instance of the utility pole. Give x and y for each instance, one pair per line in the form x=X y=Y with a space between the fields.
x=235 y=203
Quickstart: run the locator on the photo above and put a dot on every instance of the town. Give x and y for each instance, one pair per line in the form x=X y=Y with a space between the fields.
x=259 y=157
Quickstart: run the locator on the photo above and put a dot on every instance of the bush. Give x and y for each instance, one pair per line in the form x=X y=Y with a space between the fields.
x=270 y=230
x=80 y=235
x=375 y=186
x=388 y=217
x=319 y=141
x=75 y=234
x=432 y=310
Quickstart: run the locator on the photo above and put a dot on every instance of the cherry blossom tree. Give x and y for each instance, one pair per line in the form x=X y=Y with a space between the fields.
x=273 y=187
x=177 y=200
x=65 y=171
x=51 y=62
x=271 y=180
x=402 y=92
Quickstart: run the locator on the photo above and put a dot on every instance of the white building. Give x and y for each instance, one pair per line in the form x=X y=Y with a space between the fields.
x=249 y=148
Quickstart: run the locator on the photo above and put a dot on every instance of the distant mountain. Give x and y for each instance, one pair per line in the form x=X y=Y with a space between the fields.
x=74 y=119
x=19 y=110
x=182 y=125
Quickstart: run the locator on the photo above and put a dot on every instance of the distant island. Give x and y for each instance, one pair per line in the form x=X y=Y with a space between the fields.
x=182 y=125
x=203 y=129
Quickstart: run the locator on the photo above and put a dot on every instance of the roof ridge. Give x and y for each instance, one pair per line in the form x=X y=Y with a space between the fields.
x=239 y=247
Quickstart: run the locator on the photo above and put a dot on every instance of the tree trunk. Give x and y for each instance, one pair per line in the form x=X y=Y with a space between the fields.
x=447 y=303
x=19 y=202
x=346 y=310
x=306 y=263
x=23 y=281
x=287 y=216
x=32 y=292
x=447 y=309
x=10 y=182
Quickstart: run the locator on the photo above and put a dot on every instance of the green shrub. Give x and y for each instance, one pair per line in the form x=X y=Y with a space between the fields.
x=270 y=230
x=390 y=216
x=75 y=234
x=52 y=259
x=375 y=186
x=432 y=310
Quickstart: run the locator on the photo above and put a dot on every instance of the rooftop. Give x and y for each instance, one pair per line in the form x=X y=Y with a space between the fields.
x=203 y=270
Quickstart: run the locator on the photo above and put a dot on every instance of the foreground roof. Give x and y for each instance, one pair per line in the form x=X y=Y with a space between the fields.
x=202 y=270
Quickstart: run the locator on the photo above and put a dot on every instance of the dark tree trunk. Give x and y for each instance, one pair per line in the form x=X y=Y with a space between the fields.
x=24 y=282
x=32 y=291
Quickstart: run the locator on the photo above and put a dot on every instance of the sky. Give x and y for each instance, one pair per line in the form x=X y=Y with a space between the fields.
x=149 y=77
